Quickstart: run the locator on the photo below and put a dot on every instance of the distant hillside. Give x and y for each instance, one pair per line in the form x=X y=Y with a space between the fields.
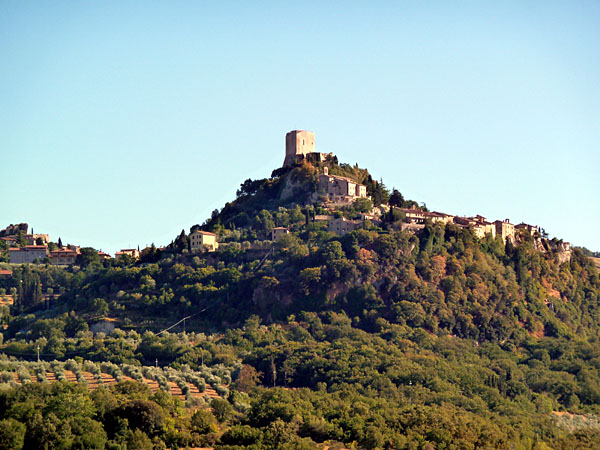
x=381 y=337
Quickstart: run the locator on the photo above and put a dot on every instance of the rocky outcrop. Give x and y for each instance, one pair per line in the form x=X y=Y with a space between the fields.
x=13 y=230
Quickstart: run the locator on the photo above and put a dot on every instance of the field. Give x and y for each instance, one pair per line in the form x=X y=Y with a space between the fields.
x=185 y=384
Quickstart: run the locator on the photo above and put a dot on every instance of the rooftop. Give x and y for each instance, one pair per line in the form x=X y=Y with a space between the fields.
x=204 y=232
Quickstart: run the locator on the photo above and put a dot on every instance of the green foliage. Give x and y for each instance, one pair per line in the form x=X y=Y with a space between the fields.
x=385 y=339
x=12 y=434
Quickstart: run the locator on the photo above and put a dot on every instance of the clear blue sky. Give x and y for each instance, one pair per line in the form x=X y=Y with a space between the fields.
x=123 y=122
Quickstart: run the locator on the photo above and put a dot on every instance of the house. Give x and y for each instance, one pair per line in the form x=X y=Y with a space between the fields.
x=340 y=189
x=33 y=239
x=436 y=216
x=530 y=229
x=7 y=300
x=278 y=232
x=323 y=218
x=203 y=241
x=5 y=273
x=28 y=254
x=342 y=226
x=505 y=229
x=478 y=224
x=414 y=215
x=11 y=241
x=103 y=255
x=63 y=257
x=133 y=252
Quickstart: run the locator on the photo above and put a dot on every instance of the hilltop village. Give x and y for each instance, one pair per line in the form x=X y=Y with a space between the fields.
x=316 y=309
x=334 y=195
x=335 y=192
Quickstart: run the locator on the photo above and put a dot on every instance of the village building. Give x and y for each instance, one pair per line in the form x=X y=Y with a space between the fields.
x=418 y=216
x=203 y=241
x=478 y=224
x=278 y=232
x=37 y=239
x=505 y=230
x=413 y=215
x=11 y=241
x=103 y=255
x=530 y=229
x=323 y=218
x=28 y=254
x=440 y=217
x=341 y=226
x=7 y=300
x=340 y=189
x=63 y=257
x=5 y=273
x=133 y=252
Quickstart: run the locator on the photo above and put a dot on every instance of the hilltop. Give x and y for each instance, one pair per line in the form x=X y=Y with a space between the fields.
x=336 y=313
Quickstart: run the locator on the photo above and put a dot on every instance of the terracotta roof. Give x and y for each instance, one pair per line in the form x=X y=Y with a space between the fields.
x=525 y=225
x=5 y=272
x=63 y=251
x=35 y=247
x=343 y=178
x=204 y=232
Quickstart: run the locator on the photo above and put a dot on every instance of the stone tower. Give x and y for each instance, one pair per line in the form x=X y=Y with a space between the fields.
x=298 y=142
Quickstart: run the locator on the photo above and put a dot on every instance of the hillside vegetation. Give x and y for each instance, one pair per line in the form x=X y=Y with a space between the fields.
x=376 y=339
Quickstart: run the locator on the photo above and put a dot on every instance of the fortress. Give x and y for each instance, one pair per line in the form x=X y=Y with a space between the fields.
x=300 y=144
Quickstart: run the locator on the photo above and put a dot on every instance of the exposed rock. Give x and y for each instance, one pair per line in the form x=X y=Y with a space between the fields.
x=13 y=230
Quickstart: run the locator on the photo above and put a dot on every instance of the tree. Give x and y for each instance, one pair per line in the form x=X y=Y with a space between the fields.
x=263 y=222
x=12 y=434
x=144 y=415
x=99 y=307
x=249 y=187
x=21 y=239
x=363 y=205
x=181 y=242
x=87 y=256
x=204 y=422
x=247 y=379
x=222 y=409
x=396 y=199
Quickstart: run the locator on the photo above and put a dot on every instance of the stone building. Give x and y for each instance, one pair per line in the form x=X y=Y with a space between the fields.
x=33 y=239
x=28 y=254
x=505 y=230
x=340 y=189
x=63 y=257
x=133 y=252
x=418 y=216
x=102 y=255
x=300 y=145
x=531 y=229
x=342 y=226
x=278 y=232
x=203 y=241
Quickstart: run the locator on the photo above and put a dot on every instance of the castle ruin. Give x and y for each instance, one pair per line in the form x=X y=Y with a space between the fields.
x=299 y=145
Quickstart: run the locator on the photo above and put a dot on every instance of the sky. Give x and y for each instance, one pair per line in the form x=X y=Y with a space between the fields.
x=122 y=123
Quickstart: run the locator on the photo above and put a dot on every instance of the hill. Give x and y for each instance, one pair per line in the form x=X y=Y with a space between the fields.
x=385 y=336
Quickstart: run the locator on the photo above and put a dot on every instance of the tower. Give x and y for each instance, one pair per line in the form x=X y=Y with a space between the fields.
x=298 y=142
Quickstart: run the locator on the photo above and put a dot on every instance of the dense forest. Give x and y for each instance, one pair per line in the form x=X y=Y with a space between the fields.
x=379 y=338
